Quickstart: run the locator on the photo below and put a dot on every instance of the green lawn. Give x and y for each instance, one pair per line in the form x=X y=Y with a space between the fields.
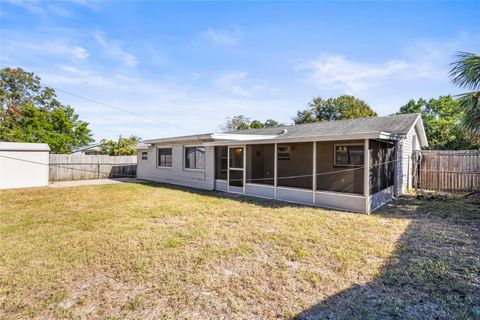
x=149 y=251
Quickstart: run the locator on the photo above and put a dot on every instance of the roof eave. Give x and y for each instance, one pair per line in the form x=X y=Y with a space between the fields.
x=197 y=137
x=279 y=139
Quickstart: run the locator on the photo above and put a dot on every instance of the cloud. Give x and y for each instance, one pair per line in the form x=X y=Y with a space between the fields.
x=114 y=50
x=229 y=81
x=338 y=72
x=221 y=37
x=16 y=46
x=241 y=84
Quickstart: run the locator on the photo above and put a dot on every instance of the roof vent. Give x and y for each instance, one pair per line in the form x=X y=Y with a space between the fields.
x=283 y=131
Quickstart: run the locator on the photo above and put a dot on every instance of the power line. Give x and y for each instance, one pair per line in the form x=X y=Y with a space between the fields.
x=248 y=179
x=117 y=108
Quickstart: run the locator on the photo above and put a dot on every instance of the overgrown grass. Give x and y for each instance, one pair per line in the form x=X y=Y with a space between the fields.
x=153 y=251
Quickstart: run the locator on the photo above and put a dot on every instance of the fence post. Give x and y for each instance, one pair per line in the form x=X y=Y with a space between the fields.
x=98 y=170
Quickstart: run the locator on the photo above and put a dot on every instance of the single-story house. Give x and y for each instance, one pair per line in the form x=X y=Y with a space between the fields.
x=354 y=165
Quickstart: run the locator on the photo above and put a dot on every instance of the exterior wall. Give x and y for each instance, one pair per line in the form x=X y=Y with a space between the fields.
x=335 y=200
x=295 y=195
x=343 y=181
x=300 y=164
x=258 y=190
x=405 y=148
x=32 y=172
x=177 y=174
x=221 y=185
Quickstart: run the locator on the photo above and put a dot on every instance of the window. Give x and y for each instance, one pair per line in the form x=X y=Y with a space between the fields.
x=284 y=152
x=144 y=155
x=348 y=155
x=165 y=157
x=195 y=158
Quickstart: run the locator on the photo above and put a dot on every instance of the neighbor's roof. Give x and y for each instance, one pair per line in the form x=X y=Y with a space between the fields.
x=91 y=146
x=394 y=126
x=23 y=146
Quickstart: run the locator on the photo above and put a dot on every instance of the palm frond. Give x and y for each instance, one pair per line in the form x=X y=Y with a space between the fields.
x=470 y=103
x=465 y=71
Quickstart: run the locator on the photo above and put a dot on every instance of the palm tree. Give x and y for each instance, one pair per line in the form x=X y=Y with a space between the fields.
x=466 y=74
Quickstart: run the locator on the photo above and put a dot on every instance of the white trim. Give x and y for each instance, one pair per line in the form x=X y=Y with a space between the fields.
x=184 y=156
x=347 y=194
x=295 y=189
x=244 y=167
x=366 y=175
x=280 y=139
x=259 y=185
x=314 y=173
x=156 y=157
x=242 y=137
x=275 y=169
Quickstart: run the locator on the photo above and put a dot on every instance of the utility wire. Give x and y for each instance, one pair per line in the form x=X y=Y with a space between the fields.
x=119 y=109
x=253 y=179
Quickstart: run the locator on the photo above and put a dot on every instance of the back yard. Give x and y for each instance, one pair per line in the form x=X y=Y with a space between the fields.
x=154 y=251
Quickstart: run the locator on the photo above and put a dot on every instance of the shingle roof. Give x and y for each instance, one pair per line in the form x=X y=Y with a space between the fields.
x=394 y=124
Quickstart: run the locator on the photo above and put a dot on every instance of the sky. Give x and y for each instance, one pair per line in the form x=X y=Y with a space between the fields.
x=184 y=67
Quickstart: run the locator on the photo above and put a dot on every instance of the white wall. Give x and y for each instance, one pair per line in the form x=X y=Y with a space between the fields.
x=404 y=167
x=22 y=169
x=177 y=174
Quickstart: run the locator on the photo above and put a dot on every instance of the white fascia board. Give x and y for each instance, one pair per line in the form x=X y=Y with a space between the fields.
x=197 y=137
x=280 y=139
x=242 y=137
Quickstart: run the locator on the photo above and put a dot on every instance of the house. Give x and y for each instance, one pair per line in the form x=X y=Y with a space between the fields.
x=354 y=165
x=91 y=149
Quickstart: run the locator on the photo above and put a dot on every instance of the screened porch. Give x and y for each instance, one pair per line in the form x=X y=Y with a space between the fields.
x=324 y=173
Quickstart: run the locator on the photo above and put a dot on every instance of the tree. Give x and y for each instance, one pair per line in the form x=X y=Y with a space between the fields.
x=466 y=74
x=441 y=119
x=269 y=123
x=121 y=147
x=340 y=108
x=241 y=122
x=256 y=124
x=30 y=112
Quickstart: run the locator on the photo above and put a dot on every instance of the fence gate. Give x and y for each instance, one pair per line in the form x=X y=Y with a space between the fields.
x=449 y=170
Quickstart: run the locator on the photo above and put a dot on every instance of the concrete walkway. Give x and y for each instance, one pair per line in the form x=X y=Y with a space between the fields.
x=63 y=184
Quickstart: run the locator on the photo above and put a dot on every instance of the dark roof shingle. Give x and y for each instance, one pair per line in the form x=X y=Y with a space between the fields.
x=394 y=124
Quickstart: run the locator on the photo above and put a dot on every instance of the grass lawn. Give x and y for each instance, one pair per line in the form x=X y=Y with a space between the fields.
x=150 y=251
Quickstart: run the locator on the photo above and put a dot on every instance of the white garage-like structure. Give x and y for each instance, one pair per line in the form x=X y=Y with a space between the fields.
x=23 y=165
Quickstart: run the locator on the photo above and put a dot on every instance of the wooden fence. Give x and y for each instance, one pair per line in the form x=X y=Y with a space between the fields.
x=446 y=170
x=65 y=167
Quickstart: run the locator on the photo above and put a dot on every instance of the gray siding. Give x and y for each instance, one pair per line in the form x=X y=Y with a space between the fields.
x=177 y=174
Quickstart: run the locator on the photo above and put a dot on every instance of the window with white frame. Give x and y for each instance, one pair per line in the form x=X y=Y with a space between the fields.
x=195 y=158
x=164 y=158
x=144 y=155
x=348 y=155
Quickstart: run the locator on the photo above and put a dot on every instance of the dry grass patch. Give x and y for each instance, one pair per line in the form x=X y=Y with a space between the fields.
x=152 y=251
